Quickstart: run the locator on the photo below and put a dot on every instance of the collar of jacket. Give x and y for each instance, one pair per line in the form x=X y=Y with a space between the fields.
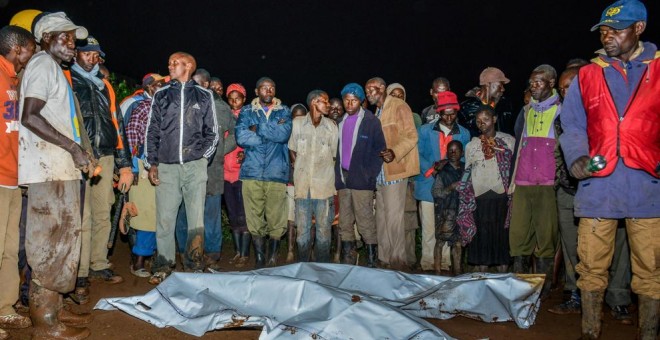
x=546 y=104
x=645 y=53
x=256 y=106
x=177 y=84
x=454 y=129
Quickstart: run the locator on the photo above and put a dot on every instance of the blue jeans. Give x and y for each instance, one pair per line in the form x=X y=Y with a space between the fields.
x=324 y=213
x=212 y=227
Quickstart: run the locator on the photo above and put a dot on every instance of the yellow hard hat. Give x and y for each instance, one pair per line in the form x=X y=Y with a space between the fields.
x=24 y=18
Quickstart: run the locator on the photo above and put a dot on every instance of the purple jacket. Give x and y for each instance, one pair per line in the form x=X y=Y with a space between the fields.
x=626 y=193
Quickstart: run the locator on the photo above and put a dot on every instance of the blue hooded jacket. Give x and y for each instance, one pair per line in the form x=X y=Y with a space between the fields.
x=266 y=151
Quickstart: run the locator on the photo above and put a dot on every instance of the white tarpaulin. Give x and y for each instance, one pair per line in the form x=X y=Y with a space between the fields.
x=332 y=301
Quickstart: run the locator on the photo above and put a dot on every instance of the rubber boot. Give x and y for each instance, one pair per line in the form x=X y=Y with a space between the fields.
x=437 y=257
x=246 y=240
x=259 y=248
x=457 y=259
x=521 y=264
x=291 y=242
x=70 y=318
x=336 y=240
x=372 y=255
x=236 y=236
x=348 y=254
x=592 y=305
x=648 y=318
x=45 y=306
x=545 y=265
x=273 y=247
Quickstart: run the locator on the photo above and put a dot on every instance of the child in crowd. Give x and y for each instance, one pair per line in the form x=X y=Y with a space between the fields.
x=297 y=110
x=233 y=195
x=445 y=199
x=484 y=215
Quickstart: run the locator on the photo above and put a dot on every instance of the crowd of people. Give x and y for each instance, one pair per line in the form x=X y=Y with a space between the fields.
x=492 y=188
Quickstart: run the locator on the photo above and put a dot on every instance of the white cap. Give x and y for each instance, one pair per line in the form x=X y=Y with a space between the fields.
x=57 y=22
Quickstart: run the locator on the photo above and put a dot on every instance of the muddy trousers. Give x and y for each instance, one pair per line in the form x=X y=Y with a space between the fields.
x=618 y=287
x=356 y=207
x=178 y=182
x=596 y=249
x=10 y=214
x=52 y=239
x=323 y=211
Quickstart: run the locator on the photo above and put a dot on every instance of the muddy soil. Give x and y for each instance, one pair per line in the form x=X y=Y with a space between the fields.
x=118 y=325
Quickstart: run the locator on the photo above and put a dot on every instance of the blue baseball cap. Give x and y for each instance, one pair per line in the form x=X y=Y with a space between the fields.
x=90 y=44
x=622 y=14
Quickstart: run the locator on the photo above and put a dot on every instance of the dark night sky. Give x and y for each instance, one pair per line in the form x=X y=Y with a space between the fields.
x=308 y=44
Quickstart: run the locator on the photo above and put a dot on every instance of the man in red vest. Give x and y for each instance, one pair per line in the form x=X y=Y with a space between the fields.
x=612 y=111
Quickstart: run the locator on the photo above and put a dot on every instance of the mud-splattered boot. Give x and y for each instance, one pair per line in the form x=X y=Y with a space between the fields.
x=648 y=318
x=45 y=306
x=457 y=259
x=592 y=306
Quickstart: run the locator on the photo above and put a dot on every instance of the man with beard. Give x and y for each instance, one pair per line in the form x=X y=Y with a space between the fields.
x=263 y=130
x=611 y=110
x=51 y=167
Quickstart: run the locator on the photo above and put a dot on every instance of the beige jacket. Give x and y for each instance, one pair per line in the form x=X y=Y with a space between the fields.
x=400 y=136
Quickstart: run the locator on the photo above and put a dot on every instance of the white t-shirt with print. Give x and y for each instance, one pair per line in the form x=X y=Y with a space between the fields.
x=38 y=160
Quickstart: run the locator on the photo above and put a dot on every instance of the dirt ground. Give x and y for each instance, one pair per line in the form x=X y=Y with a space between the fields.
x=118 y=325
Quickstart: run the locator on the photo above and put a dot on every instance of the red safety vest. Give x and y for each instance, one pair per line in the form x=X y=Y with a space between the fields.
x=635 y=137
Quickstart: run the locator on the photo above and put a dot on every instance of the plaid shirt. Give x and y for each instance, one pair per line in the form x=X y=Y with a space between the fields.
x=137 y=125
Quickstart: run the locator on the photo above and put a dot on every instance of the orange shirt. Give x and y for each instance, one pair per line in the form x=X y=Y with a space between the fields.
x=9 y=139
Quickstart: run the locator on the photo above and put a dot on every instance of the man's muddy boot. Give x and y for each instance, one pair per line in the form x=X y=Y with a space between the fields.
x=273 y=248
x=348 y=254
x=457 y=259
x=259 y=249
x=246 y=240
x=336 y=240
x=236 y=237
x=592 y=305
x=372 y=255
x=291 y=242
x=521 y=264
x=648 y=318
x=437 y=257
x=70 y=318
x=545 y=265
x=44 y=309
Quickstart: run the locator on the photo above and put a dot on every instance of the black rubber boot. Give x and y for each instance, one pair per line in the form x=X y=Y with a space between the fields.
x=545 y=265
x=348 y=254
x=521 y=264
x=273 y=247
x=244 y=252
x=259 y=248
x=236 y=237
x=372 y=255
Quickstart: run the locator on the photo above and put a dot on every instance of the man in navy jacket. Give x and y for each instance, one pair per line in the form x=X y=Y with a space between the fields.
x=358 y=164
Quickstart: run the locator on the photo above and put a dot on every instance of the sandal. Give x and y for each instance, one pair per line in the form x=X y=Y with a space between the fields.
x=139 y=272
x=157 y=278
